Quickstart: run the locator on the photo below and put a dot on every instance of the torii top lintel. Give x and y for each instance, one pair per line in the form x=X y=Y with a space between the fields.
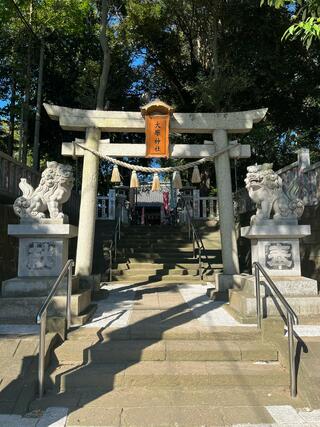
x=126 y=121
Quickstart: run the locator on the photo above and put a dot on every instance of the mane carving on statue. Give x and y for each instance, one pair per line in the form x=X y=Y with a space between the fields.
x=53 y=191
x=265 y=188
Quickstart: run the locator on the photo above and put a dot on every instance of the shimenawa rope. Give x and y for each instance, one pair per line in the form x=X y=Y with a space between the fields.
x=169 y=169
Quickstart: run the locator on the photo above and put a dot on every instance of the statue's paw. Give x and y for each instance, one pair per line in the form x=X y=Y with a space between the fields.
x=253 y=219
x=60 y=215
x=38 y=214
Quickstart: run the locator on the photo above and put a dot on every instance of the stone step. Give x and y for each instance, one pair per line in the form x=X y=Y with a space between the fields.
x=82 y=318
x=154 y=234
x=158 y=332
x=163 y=282
x=165 y=257
x=194 y=280
x=164 y=241
x=35 y=286
x=134 y=279
x=174 y=272
x=128 y=240
x=168 y=374
x=168 y=251
x=145 y=407
x=174 y=350
x=161 y=266
x=144 y=397
x=20 y=310
x=154 y=228
x=156 y=260
x=245 y=304
x=172 y=246
x=288 y=286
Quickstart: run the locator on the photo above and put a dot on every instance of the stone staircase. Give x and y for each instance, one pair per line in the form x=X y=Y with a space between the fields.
x=185 y=377
x=149 y=360
x=180 y=359
x=164 y=254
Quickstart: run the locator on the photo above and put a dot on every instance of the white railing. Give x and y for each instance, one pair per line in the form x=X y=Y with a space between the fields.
x=204 y=207
x=208 y=208
x=102 y=207
x=10 y=173
x=106 y=206
x=111 y=206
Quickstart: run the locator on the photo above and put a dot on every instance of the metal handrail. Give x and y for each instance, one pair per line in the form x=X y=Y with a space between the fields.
x=113 y=246
x=196 y=239
x=42 y=318
x=291 y=320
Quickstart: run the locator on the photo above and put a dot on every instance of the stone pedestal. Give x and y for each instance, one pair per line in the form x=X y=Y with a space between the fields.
x=276 y=246
x=300 y=292
x=43 y=251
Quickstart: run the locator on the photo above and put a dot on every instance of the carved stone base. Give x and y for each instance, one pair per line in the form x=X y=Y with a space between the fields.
x=34 y=286
x=43 y=248
x=24 y=310
x=43 y=251
x=276 y=246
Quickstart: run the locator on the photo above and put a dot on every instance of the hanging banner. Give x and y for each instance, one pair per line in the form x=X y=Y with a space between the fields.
x=157 y=135
x=165 y=196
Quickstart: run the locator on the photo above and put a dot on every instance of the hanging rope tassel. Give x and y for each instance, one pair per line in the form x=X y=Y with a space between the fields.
x=195 y=176
x=115 y=177
x=155 y=182
x=134 y=181
x=176 y=180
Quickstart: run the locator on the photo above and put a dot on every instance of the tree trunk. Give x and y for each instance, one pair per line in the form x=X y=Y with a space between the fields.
x=215 y=69
x=36 y=140
x=26 y=107
x=21 y=133
x=106 y=56
x=26 y=102
x=12 y=117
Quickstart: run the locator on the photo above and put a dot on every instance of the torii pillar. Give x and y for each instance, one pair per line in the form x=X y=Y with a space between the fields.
x=88 y=205
x=226 y=213
x=219 y=125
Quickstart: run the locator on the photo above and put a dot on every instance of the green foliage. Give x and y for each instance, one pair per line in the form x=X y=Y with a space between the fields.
x=307 y=17
x=70 y=29
x=198 y=55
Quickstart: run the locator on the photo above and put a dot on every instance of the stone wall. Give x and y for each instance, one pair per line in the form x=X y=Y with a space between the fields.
x=309 y=246
x=8 y=244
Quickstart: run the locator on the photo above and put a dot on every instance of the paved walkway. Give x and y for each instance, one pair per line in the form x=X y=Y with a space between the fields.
x=278 y=416
x=127 y=304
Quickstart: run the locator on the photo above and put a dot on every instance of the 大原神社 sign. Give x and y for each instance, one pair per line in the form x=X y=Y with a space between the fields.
x=157 y=135
x=157 y=122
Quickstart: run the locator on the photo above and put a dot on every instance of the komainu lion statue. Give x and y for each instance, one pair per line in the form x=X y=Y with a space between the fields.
x=265 y=189
x=54 y=189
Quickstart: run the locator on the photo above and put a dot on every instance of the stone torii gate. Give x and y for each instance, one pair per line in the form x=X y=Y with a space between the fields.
x=219 y=125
